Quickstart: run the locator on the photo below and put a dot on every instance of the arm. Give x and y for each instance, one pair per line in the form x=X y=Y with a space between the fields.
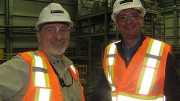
x=171 y=80
x=13 y=79
x=102 y=90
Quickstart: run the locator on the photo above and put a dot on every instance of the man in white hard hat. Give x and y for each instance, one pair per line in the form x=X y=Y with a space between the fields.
x=45 y=74
x=136 y=67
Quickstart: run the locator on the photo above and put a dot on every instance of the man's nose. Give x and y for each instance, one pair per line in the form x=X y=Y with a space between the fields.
x=59 y=35
x=129 y=19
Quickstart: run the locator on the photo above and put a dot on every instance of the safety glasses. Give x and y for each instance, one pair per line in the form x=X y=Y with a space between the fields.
x=132 y=17
x=55 y=30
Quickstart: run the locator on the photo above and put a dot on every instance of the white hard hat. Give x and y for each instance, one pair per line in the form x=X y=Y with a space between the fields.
x=120 y=5
x=53 y=12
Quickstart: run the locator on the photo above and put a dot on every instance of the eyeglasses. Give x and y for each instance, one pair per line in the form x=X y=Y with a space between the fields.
x=124 y=18
x=55 y=30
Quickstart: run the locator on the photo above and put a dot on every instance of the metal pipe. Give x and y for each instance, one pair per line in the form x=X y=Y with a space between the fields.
x=50 y=2
x=11 y=26
x=7 y=23
x=7 y=12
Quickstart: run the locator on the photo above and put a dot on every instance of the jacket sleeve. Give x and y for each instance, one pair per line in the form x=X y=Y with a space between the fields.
x=171 y=81
x=13 y=79
x=101 y=91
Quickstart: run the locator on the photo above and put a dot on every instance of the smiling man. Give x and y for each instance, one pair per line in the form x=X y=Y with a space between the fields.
x=45 y=74
x=136 y=67
x=54 y=38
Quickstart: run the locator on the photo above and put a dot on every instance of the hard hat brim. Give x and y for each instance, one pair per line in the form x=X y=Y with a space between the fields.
x=39 y=25
x=141 y=9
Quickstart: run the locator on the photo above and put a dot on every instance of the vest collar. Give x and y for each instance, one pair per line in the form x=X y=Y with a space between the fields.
x=65 y=61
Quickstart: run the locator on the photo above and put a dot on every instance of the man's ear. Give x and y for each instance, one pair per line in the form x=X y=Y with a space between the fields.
x=117 y=28
x=142 y=18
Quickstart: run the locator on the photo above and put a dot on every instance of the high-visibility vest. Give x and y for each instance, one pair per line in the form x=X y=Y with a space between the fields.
x=143 y=79
x=44 y=84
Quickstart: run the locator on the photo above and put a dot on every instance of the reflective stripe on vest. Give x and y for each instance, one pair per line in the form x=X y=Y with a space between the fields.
x=40 y=78
x=126 y=98
x=44 y=84
x=74 y=72
x=148 y=74
x=40 y=72
x=110 y=60
x=43 y=94
x=73 y=69
x=150 y=64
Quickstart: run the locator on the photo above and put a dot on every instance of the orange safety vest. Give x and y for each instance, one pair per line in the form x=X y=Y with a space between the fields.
x=143 y=79
x=44 y=84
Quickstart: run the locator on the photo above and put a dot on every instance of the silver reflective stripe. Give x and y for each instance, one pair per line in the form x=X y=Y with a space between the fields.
x=39 y=69
x=44 y=94
x=114 y=98
x=73 y=68
x=111 y=61
x=39 y=76
x=111 y=52
x=153 y=56
x=126 y=98
x=147 y=79
x=111 y=57
x=109 y=76
x=150 y=68
x=113 y=88
x=156 y=46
